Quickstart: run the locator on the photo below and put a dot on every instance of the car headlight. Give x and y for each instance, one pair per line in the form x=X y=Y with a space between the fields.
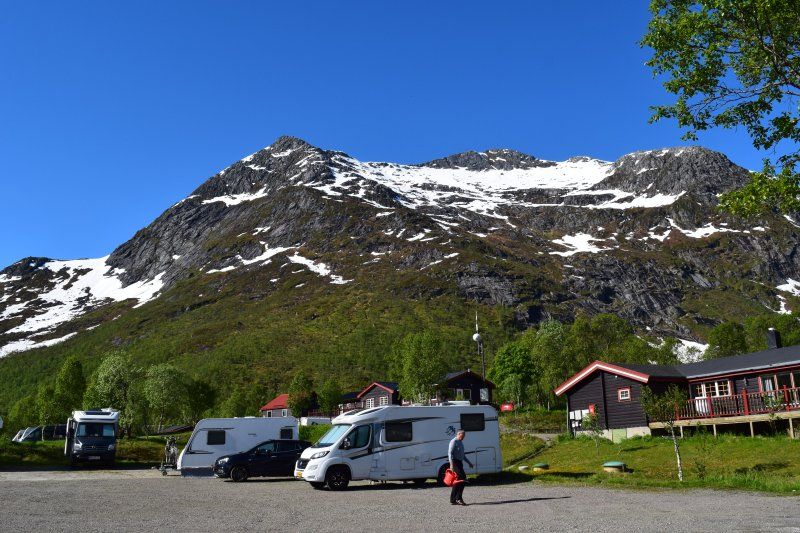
x=112 y=447
x=320 y=455
x=77 y=445
x=223 y=460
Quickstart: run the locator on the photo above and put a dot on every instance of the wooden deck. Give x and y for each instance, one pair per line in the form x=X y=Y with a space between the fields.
x=791 y=416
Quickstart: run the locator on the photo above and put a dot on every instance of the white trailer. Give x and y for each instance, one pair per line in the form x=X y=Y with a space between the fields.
x=401 y=443
x=214 y=437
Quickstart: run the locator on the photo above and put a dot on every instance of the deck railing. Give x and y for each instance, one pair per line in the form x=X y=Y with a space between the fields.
x=741 y=404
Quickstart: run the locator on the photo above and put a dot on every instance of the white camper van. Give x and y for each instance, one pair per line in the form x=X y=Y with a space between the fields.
x=400 y=443
x=214 y=437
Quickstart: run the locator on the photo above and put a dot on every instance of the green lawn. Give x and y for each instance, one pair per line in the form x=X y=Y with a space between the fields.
x=770 y=464
x=137 y=452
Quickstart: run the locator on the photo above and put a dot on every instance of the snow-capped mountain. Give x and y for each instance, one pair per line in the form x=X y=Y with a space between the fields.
x=639 y=237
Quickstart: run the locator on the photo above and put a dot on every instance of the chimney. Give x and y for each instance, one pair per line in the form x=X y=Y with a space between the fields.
x=773 y=339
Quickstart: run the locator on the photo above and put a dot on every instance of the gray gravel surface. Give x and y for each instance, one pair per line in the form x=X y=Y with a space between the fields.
x=144 y=501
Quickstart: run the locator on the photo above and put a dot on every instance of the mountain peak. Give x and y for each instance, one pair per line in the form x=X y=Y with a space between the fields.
x=492 y=159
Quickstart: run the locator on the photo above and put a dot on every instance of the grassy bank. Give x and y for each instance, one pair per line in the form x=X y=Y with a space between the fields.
x=137 y=452
x=761 y=464
x=536 y=421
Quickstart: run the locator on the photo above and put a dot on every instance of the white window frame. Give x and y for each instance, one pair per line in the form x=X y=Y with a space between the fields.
x=383 y=400
x=284 y=412
x=269 y=413
x=710 y=389
x=370 y=403
x=627 y=394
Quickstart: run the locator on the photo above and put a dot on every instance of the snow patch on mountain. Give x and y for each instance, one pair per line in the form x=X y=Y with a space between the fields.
x=580 y=242
x=318 y=268
x=80 y=284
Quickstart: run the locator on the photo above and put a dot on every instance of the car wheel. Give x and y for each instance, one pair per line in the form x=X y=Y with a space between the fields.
x=440 y=476
x=238 y=474
x=319 y=485
x=420 y=482
x=338 y=478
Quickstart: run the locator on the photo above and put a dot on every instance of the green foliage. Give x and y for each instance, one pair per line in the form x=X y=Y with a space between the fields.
x=329 y=396
x=766 y=191
x=313 y=433
x=165 y=390
x=46 y=406
x=512 y=389
x=241 y=402
x=542 y=359
x=22 y=414
x=662 y=407
x=726 y=339
x=200 y=398
x=591 y=425
x=423 y=366
x=300 y=394
x=730 y=64
x=70 y=387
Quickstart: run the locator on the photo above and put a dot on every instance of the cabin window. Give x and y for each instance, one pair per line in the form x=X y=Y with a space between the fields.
x=784 y=380
x=472 y=422
x=283 y=412
x=712 y=388
x=384 y=400
x=269 y=414
x=398 y=431
x=767 y=383
x=624 y=395
x=215 y=438
x=796 y=380
x=370 y=403
x=463 y=394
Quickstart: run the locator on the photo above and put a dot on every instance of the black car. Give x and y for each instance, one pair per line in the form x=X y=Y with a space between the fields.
x=270 y=458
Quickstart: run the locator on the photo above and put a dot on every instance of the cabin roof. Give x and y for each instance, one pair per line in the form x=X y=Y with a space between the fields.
x=388 y=386
x=453 y=375
x=749 y=362
x=281 y=401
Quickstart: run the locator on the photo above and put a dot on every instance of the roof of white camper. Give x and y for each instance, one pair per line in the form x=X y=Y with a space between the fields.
x=96 y=415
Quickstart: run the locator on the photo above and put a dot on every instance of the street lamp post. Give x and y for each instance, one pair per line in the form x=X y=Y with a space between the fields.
x=484 y=395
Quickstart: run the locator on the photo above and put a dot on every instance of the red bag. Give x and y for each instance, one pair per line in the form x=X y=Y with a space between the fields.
x=451 y=478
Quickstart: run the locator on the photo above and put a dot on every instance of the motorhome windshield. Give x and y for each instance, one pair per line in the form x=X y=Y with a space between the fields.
x=95 y=429
x=332 y=436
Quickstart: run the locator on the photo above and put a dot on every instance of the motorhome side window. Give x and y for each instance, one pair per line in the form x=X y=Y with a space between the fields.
x=359 y=437
x=398 y=431
x=215 y=438
x=472 y=422
x=286 y=433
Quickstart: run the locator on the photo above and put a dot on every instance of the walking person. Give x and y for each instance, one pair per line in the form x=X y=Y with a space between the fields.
x=457 y=457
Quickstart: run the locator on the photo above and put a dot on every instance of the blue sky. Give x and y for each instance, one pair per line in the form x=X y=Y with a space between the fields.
x=110 y=113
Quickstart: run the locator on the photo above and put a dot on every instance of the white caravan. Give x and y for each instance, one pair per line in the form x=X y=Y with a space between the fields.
x=214 y=437
x=401 y=443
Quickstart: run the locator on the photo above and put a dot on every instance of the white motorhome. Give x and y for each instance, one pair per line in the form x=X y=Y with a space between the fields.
x=214 y=437
x=400 y=443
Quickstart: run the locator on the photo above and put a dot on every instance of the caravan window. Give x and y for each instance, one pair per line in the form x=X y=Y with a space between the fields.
x=398 y=431
x=286 y=433
x=215 y=438
x=472 y=422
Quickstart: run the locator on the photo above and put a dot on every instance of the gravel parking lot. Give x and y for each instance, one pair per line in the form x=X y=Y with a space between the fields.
x=144 y=501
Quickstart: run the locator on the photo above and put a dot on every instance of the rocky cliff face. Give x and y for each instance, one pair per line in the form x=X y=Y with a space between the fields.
x=639 y=237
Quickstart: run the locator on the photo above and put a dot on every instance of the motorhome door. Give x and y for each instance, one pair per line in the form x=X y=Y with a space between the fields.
x=357 y=447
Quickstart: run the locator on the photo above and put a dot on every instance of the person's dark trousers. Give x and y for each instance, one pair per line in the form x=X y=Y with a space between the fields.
x=457 y=492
